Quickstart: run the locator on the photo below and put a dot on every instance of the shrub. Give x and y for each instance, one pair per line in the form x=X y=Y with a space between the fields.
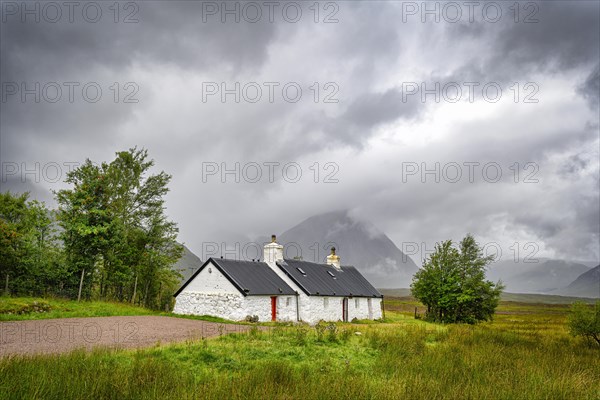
x=320 y=328
x=301 y=334
x=584 y=321
x=345 y=334
x=332 y=331
x=26 y=307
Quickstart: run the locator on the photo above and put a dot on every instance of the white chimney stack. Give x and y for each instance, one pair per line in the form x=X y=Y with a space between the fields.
x=334 y=260
x=273 y=252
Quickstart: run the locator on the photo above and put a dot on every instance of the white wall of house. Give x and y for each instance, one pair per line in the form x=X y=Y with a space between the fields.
x=286 y=308
x=211 y=280
x=358 y=307
x=316 y=308
x=234 y=307
x=224 y=305
x=261 y=307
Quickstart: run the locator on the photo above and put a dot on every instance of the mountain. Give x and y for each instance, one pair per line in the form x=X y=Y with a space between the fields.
x=358 y=243
x=546 y=276
x=586 y=284
x=187 y=264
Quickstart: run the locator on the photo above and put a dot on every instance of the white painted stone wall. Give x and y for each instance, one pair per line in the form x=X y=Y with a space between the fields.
x=261 y=306
x=225 y=305
x=316 y=308
x=362 y=312
x=234 y=307
x=211 y=280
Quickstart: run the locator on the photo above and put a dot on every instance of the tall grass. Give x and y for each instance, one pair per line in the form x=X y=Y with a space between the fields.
x=27 y=308
x=510 y=358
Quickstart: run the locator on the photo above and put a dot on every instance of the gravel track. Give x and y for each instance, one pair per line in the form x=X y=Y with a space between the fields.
x=66 y=334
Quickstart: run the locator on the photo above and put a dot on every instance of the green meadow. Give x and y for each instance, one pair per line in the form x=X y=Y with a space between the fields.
x=525 y=353
x=27 y=308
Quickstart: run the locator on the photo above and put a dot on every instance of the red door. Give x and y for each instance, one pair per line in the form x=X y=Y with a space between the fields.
x=345 y=309
x=273 y=308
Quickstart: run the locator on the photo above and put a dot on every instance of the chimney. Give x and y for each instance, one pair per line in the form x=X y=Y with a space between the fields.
x=334 y=260
x=273 y=252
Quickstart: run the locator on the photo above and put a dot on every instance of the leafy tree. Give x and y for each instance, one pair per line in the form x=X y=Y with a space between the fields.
x=115 y=228
x=584 y=321
x=452 y=284
x=87 y=225
x=29 y=252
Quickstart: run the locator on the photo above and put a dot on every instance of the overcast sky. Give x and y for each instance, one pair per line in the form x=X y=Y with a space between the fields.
x=340 y=84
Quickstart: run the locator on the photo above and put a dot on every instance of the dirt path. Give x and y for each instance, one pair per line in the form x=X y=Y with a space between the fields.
x=63 y=335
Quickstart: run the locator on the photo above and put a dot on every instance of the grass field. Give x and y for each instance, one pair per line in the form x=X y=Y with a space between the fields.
x=28 y=308
x=525 y=353
x=25 y=308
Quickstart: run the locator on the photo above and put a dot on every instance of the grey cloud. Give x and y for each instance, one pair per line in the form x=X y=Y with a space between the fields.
x=368 y=53
x=590 y=88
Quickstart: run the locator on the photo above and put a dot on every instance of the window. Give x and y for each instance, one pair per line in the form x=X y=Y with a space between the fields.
x=356 y=303
x=331 y=274
x=301 y=270
x=325 y=302
x=288 y=301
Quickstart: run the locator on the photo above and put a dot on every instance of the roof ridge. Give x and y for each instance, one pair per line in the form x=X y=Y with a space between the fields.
x=321 y=264
x=234 y=260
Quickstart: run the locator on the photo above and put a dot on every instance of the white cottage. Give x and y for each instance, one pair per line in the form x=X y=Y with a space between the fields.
x=279 y=290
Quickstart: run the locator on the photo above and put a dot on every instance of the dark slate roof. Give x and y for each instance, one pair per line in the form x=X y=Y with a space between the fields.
x=317 y=280
x=251 y=278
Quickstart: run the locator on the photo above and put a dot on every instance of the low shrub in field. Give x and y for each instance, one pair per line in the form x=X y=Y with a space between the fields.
x=346 y=334
x=584 y=321
x=332 y=332
x=301 y=334
x=320 y=328
x=21 y=307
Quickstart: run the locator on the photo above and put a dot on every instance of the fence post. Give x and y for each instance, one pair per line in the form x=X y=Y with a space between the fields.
x=134 y=290
x=80 y=284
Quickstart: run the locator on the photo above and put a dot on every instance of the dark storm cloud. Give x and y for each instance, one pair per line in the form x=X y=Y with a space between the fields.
x=102 y=52
x=590 y=89
x=377 y=108
x=169 y=33
x=564 y=37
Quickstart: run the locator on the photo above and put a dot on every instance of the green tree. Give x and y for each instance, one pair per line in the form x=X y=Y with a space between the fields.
x=452 y=284
x=115 y=227
x=87 y=226
x=29 y=252
x=584 y=321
